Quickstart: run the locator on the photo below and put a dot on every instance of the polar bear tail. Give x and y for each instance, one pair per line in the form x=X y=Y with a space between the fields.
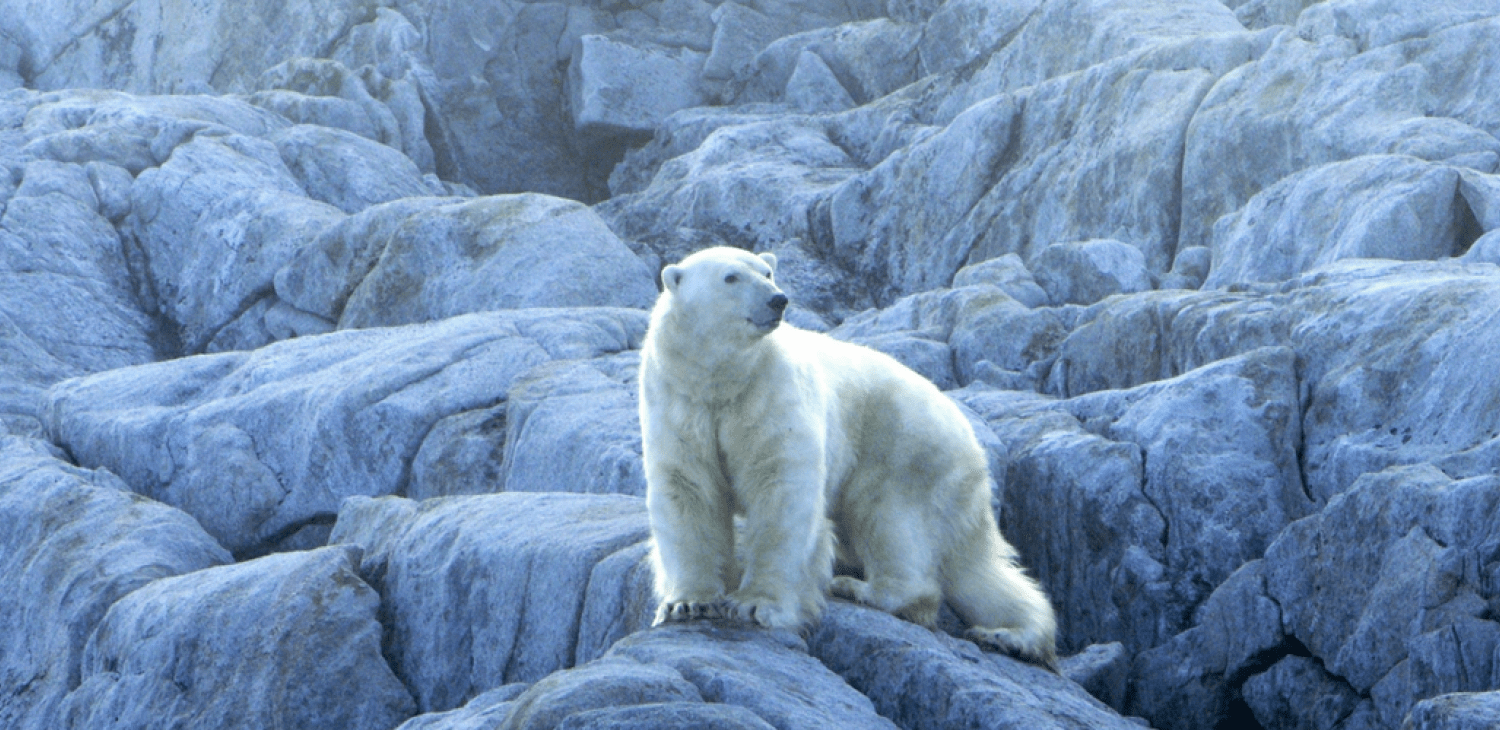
x=1005 y=609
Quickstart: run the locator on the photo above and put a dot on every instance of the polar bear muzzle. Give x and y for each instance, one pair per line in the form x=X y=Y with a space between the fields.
x=769 y=319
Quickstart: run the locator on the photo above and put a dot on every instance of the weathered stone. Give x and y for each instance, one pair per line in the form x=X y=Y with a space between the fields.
x=1296 y=693
x=1088 y=271
x=1376 y=206
x=1457 y=711
x=923 y=679
x=73 y=542
x=287 y=640
x=1103 y=670
x=751 y=184
x=1007 y=273
x=812 y=87
x=1307 y=103
x=261 y=445
x=616 y=87
x=488 y=590
x=347 y=171
x=67 y=303
x=213 y=224
x=1387 y=585
x=178 y=46
x=497 y=252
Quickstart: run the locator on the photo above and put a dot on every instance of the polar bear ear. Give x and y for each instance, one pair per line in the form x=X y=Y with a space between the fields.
x=671 y=277
x=770 y=259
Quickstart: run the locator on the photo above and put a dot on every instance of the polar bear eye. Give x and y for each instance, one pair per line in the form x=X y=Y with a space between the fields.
x=730 y=279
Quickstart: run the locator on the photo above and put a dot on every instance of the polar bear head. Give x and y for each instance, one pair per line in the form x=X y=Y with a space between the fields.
x=725 y=291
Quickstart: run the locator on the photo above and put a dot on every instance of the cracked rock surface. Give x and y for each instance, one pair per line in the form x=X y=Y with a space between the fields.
x=319 y=331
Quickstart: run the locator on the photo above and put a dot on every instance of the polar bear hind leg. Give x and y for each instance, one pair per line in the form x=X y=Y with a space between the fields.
x=1005 y=609
x=895 y=549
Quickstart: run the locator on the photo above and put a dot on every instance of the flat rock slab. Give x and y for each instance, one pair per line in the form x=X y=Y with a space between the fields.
x=260 y=446
x=294 y=635
x=488 y=590
x=72 y=543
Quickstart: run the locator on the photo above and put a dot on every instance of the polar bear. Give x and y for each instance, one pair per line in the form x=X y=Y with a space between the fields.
x=823 y=449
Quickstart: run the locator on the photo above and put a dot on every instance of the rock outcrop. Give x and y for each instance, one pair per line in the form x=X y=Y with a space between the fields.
x=319 y=327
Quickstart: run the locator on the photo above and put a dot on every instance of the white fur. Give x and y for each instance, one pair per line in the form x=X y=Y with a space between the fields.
x=815 y=443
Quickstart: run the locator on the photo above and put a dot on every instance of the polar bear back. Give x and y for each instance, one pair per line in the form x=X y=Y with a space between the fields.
x=884 y=420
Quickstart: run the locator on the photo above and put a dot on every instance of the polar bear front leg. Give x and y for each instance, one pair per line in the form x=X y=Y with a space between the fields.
x=692 y=535
x=787 y=547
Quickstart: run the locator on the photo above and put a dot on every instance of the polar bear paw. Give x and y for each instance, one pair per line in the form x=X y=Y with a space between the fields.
x=763 y=611
x=679 y=611
x=1031 y=646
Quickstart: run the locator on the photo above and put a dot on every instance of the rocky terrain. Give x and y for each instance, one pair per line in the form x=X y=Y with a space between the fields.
x=318 y=331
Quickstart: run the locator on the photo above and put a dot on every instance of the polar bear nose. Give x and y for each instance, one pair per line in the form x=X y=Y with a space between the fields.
x=778 y=303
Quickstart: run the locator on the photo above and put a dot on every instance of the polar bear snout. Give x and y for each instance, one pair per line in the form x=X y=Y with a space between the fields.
x=770 y=315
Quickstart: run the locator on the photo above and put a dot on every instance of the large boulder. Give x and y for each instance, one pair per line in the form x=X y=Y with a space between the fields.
x=484 y=591
x=284 y=641
x=73 y=542
x=262 y=446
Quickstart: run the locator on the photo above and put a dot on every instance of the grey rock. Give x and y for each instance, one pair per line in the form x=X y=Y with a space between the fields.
x=1457 y=711
x=616 y=87
x=488 y=710
x=752 y=184
x=1171 y=508
x=812 y=87
x=178 y=47
x=740 y=33
x=1384 y=585
x=1376 y=206
x=213 y=224
x=923 y=679
x=764 y=672
x=347 y=171
x=1222 y=506
x=1088 y=271
x=295 y=635
x=1007 y=344
x=1196 y=673
x=892 y=245
x=488 y=590
x=1259 y=14
x=1486 y=250
x=1103 y=670
x=1376 y=23
x=1009 y=274
x=569 y=426
x=73 y=542
x=916 y=330
x=1482 y=194
x=1189 y=268
x=497 y=252
x=327 y=93
x=494 y=90
x=133 y=132
x=1307 y=103
x=67 y=302
x=1058 y=38
x=321 y=275
x=260 y=445
x=1112 y=127
x=1296 y=693
x=573 y=427
x=964 y=31
x=870 y=59
x=1347 y=323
